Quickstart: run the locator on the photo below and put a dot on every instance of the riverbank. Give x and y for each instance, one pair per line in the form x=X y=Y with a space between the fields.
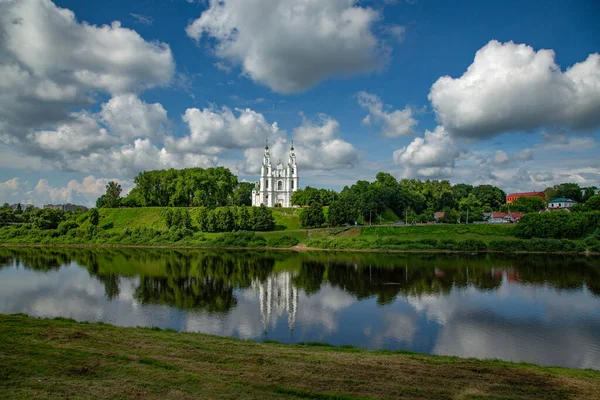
x=146 y=227
x=65 y=359
x=537 y=247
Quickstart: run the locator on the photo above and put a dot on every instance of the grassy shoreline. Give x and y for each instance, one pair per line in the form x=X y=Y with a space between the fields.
x=42 y=358
x=298 y=248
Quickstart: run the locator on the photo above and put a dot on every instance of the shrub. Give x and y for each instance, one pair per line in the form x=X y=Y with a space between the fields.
x=558 y=225
x=66 y=226
x=108 y=225
x=282 y=241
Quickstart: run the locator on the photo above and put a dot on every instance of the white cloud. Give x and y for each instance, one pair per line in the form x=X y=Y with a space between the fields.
x=501 y=157
x=214 y=131
x=394 y=123
x=52 y=43
x=90 y=188
x=564 y=143
x=432 y=155
x=511 y=87
x=320 y=146
x=51 y=63
x=317 y=145
x=142 y=155
x=81 y=134
x=83 y=192
x=291 y=45
x=310 y=132
x=132 y=118
x=9 y=189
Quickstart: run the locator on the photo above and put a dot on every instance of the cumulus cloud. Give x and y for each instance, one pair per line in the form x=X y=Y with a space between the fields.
x=511 y=87
x=133 y=118
x=291 y=45
x=432 y=155
x=81 y=134
x=393 y=123
x=50 y=42
x=318 y=145
x=43 y=192
x=214 y=131
x=562 y=142
x=130 y=159
x=51 y=63
x=501 y=157
x=523 y=155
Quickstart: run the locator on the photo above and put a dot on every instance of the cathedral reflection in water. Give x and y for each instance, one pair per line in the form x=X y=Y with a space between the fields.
x=277 y=296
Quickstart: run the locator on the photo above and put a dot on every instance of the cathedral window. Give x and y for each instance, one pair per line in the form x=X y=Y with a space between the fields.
x=266 y=184
x=292 y=184
x=292 y=171
x=280 y=185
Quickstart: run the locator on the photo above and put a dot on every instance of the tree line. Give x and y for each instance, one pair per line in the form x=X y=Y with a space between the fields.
x=413 y=200
x=190 y=187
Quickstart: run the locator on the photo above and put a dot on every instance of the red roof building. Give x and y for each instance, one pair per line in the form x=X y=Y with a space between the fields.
x=500 y=217
x=513 y=196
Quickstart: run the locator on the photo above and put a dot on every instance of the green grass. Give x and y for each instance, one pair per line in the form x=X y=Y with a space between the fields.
x=483 y=232
x=57 y=359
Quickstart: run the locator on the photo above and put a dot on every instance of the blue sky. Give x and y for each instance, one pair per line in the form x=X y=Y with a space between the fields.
x=506 y=93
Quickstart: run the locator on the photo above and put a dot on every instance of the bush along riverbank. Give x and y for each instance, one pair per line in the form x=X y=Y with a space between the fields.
x=468 y=245
x=177 y=227
x=64 y=359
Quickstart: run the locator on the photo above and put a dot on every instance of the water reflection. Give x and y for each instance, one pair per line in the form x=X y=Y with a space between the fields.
x=528 y=308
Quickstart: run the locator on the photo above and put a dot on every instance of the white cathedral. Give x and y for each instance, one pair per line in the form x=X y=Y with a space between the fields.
x=276 y=187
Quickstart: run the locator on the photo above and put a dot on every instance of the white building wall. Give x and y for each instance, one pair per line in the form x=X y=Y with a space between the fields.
x=269 y=192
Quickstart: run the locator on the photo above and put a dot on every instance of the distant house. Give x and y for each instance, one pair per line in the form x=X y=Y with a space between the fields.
x=67 y=207
x=504 y=218
x=513 y=196
x=438 y=215
x=561 y=203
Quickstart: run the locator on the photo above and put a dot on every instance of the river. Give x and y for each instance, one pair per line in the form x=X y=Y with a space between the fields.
x=531 y=308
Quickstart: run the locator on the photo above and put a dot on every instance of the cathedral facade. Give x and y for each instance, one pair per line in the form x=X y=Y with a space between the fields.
x=276 y=186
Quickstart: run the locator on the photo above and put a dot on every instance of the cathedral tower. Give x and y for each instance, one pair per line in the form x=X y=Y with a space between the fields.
x=276 y=186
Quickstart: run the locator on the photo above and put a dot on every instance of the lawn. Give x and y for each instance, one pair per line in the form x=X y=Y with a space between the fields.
x=57 y=359
x=483 y=232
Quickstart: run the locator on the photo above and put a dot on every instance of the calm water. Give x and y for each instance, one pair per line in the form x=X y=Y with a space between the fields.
x=537 y=309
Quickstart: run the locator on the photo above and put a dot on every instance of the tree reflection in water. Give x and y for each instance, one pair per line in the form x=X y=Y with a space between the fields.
x=206 y=280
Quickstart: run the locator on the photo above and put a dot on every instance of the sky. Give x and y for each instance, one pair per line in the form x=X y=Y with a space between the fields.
x=503 y=93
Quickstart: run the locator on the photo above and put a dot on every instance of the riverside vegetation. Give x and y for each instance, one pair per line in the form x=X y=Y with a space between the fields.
x=61 y=358
x=210 y=208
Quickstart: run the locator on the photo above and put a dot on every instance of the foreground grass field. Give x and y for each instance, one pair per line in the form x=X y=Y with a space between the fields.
x=57 y=359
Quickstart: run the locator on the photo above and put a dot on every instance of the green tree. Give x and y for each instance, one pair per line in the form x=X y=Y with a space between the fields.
x=263 y=219
x=94 y=217
x=470 y=203
x=224 y=220
x=588 y=192
x=341 y=212
x=6 y=216
x=113 y=195
x=242 y=195
x=48 y=218
x=313 y=216
x=169 y=218
x=244 y=220
x=490 y=195
x=568 y=190
x=526 y=205
x=593 y=203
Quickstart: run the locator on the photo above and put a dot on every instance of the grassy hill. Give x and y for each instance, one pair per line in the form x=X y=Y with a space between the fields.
x=152 y=217
x=64 y=359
